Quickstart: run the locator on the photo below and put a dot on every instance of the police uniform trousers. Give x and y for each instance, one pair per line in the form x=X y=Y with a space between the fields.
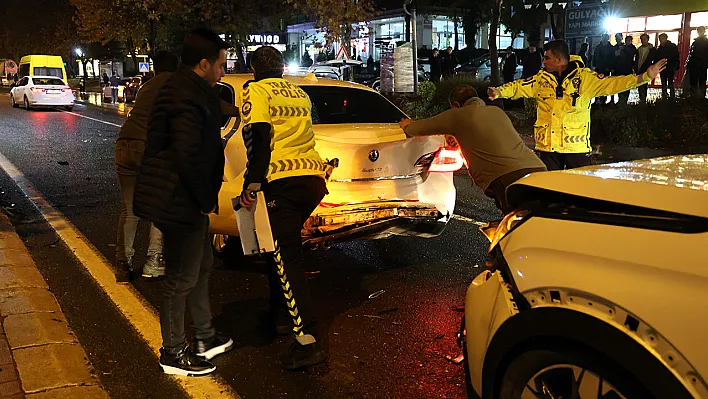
x=290 y=203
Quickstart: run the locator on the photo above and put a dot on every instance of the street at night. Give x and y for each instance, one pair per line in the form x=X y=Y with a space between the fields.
x=366 y=199
x=393 y=345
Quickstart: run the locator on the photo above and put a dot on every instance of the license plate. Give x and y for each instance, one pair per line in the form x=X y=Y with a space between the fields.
x=53 y=91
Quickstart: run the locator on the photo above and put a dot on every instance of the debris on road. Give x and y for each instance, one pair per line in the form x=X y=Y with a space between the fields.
x=439 y=337
x=456 y=360
x=63 y=163
x=396 y=323
x=376 y=294
x=373 y=317
x=460 y=309
x=383 y=312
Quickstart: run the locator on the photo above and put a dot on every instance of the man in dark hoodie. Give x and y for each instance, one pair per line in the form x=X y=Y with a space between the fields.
x=177 y=189
x=603 y=61
x=564 y=90
x=697 y=63
x=670 y=51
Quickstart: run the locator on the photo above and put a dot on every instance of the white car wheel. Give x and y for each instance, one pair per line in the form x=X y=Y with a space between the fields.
x=568 y=372
x=12 y=101
x=27 y=104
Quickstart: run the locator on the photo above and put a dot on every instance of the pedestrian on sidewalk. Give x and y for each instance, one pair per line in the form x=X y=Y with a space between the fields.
x=697 y=64
x=129 y=151
x=625 y=54
x=669 y=51
x=532 y=62
x=292 y=193
x=496 y=154
x=115 y=83
x=603 y=62
x=435 y=66
x=509 y=65
x=564 y=90
x=449 y=63
x=106 y=80
x=583 y=53
x=177 y=188
x=646 y=57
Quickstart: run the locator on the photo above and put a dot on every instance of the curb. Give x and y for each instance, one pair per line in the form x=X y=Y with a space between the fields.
x=40 y=356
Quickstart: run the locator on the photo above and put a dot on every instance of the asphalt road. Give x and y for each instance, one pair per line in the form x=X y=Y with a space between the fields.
x=398 y=353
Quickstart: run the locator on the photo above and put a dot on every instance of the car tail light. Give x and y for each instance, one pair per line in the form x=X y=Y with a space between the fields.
x=66 y=90
x=36 y=90
x=447 y=159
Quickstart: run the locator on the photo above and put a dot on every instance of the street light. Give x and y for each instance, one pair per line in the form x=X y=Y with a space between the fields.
x=79 y=52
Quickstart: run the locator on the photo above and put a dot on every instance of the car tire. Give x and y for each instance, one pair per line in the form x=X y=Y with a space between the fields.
x=527 y=370
x=27 y=104
x=69 y=108
x=12 y=101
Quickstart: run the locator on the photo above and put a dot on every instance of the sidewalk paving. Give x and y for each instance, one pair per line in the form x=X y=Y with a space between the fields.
x=40 y=357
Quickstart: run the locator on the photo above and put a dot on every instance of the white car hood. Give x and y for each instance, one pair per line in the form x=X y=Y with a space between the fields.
x=675 y=184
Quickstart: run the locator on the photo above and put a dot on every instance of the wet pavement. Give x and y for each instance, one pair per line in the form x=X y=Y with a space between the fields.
x=390 y=346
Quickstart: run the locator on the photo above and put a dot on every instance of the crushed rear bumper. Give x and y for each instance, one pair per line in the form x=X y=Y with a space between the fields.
x=325 y=229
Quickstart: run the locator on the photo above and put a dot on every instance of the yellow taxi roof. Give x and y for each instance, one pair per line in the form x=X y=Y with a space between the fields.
x=238 y=80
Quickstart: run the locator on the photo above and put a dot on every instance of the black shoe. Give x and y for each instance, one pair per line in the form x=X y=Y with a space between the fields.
x=279 y=320
x=124 y=272
x=299 y=356
x=216 y=345
x=185 y=363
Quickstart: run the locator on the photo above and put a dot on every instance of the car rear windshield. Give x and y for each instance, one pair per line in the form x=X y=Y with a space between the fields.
x=44 y=71
x=47 y=82
x=340 y=105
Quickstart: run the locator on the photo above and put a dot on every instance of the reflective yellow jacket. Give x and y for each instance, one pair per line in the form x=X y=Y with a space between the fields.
x=563 y=122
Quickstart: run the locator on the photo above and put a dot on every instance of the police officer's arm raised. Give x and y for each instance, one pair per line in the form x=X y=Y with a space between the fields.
x=598 y=85
x=256 y=135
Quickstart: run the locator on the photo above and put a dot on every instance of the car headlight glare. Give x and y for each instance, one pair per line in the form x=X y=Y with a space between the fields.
x=496 y=231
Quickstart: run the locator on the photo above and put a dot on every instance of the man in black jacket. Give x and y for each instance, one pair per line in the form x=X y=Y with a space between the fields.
x=669 y=51
x=509 y=65
x=435 y=66
x=603 y=61
x=697 y=63
x=177 y=188
x=532 y=62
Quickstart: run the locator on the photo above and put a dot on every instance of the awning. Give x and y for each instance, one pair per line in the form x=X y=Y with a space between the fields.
x=637 y=8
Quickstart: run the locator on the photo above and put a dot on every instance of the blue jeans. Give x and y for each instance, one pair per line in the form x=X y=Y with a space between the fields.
x=128 y=156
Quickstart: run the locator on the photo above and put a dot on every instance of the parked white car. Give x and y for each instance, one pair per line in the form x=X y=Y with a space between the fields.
x=597 y=289
x=386 y=184
x=42 y=91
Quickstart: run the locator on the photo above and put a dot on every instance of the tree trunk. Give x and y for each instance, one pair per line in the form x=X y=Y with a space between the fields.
x=493 y=54
x=85 y=62
x=152 y=35
x=554 y=29
x=457 y=40
x=133 y=55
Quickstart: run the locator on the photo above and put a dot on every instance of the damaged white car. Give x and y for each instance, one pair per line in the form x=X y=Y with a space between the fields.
x=386 y=183
x=596 y=286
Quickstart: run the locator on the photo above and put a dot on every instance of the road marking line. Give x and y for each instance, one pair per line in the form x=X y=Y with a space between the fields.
x=468 y=220
x=128 y=300
x=93 y=119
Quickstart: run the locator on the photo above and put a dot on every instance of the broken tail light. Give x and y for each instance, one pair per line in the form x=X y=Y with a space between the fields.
x=447 y=159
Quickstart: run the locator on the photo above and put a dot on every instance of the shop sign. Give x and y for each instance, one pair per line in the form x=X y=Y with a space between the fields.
x=263 y=39
x=586 y=21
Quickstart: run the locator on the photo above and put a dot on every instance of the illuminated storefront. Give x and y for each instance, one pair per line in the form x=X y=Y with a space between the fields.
x=381 y=35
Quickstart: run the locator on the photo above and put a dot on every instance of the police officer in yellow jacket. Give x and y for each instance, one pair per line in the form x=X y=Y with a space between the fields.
x=564 y=90
x=283 y=163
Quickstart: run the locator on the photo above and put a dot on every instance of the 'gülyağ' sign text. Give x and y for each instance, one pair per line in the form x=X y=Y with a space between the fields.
x=586 y=21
